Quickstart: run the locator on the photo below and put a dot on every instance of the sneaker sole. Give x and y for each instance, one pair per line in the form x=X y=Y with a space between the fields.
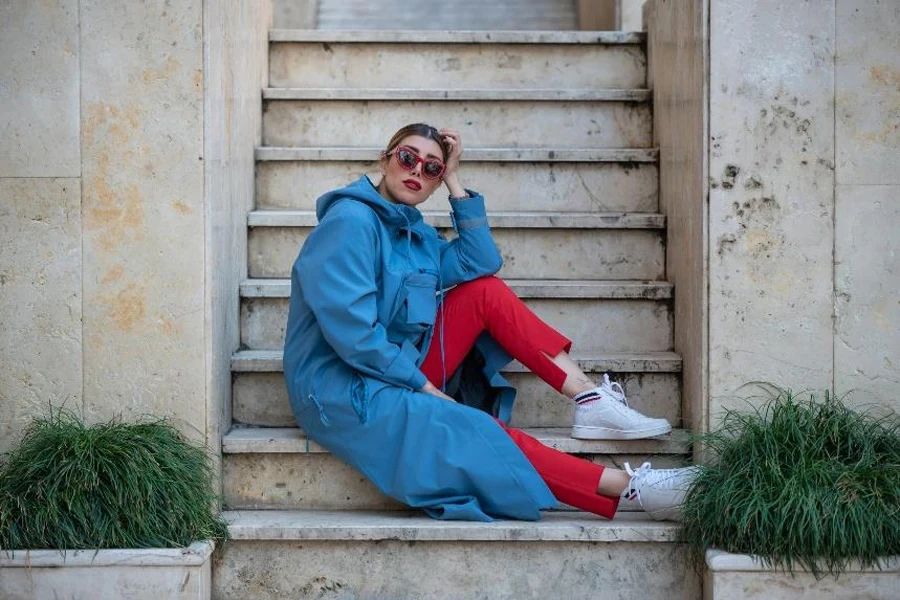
x=585 y=432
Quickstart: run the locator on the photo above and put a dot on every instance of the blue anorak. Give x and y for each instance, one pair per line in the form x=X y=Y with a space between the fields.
x=364 y=297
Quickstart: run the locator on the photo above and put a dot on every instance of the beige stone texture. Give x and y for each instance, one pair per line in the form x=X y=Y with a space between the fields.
x=460 y=14
x=677 y=57
x=236 y=48
x=511 y=66
x=39 y=89
x=527 y=253
x=867 y=92
x=867 y=304
x=40 y=300
x=481 y=123
x=592 y=325
x=143 y=211
x=731 y=576
x=145 y=574
x=394 y=569
x=319 y=480
x=295 y=14
x=771 y=199
x=630 y=13
x=261 y=399
x=569 y=186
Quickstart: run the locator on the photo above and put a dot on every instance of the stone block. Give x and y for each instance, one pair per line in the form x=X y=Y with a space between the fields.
x=506 y=186
x=740 y=576
x=457 y=66
x=867 y=306
x=319 y=480
x=771 y=196
x=867 y=92
x=527 y=253
x=40 y=300
x=481 y=123
x=261 y=399
x=142 y=574
x=143 y=186
x=39 y=89
x=466 y=569
x=592 y=325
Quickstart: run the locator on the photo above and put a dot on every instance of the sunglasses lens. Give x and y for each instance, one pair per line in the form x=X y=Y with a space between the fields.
x=433 y=168
x=406 y=158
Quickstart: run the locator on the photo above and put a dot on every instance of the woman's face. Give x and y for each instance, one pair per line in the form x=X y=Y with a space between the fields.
x=410 y=186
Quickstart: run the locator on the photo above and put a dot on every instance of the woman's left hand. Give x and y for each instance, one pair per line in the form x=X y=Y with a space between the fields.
x=451 y=137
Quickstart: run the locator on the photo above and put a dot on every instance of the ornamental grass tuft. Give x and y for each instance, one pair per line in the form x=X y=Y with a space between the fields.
x=799 y=482
x=67 y=485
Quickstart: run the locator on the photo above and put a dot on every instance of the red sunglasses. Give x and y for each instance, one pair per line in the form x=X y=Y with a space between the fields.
x=407 y=158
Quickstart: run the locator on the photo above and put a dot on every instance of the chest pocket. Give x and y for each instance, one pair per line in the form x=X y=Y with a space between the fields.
x=420 y=302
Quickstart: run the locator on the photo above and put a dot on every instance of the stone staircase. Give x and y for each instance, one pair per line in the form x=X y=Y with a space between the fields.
x=557 y=130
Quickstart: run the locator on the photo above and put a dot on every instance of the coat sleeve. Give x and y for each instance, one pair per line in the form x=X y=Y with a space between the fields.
x=473 y=253
x=336 y=271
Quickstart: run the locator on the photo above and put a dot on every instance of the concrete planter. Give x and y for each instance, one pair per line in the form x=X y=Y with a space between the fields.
x=730 y=576
x=150 y=573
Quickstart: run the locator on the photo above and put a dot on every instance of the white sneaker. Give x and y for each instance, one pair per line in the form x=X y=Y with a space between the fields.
x=603 y=414
x=660 y=492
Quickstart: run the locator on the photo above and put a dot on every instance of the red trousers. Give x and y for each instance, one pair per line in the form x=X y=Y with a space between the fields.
x=488 y=304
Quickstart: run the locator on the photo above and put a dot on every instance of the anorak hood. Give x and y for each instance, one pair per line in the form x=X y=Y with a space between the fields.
x=394 y=216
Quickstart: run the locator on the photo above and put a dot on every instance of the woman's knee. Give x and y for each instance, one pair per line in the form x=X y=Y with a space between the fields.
x=488 y=285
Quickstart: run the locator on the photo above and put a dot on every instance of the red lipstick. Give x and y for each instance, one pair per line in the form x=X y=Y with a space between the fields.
x=412 y=184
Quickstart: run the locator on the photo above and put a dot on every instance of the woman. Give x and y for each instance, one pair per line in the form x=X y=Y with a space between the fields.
x=372 y=340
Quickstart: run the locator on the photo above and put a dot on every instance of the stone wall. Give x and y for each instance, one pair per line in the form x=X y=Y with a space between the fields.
x=677 y=57
x=106 y=224
x=803 y=117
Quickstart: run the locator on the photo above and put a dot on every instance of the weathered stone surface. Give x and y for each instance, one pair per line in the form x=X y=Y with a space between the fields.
x=867 y=306
x=677 y=58
x=739 y=576
x=394 y=569
x=867 y=92
x=143 y=212
x=40 y=300
x=771 y=198
x=459 y=66
x=491 y=124
x=39 y=89
x=235 y=45
x=261 y=399
x=146 y=574
x=592 y=325
x=322 y=481
x=527 y=253
x=299 y=14
x=577 y=187
x=461 y=14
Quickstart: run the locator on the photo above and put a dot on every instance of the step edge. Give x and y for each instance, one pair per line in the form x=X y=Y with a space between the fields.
x=351 y=525
x=292 y=440
x=630 y=95
x=609 y=289
x=370 y=154
x=660 y=362
x=535 y=37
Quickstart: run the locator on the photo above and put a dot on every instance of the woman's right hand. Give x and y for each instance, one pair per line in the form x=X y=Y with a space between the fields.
x=429 y=388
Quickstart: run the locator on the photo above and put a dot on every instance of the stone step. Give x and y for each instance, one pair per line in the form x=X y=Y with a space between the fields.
x=418 y=94
x=533 y=245
x=623 y=186
x=482 y=122
x=651 y=382
x=267 y=468
x=596 y=318
x=453 y=60
x=354 y=554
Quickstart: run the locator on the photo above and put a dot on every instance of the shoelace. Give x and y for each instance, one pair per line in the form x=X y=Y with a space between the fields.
x=666 y=478
x=608 y=387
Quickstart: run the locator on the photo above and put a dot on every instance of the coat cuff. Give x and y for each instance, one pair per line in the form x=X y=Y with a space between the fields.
x=468 y=213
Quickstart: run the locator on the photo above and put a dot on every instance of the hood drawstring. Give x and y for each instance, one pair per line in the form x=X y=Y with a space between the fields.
x=441 y=332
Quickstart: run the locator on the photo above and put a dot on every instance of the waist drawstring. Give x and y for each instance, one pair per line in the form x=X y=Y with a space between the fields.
x=359 y=398
x=322 y=416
